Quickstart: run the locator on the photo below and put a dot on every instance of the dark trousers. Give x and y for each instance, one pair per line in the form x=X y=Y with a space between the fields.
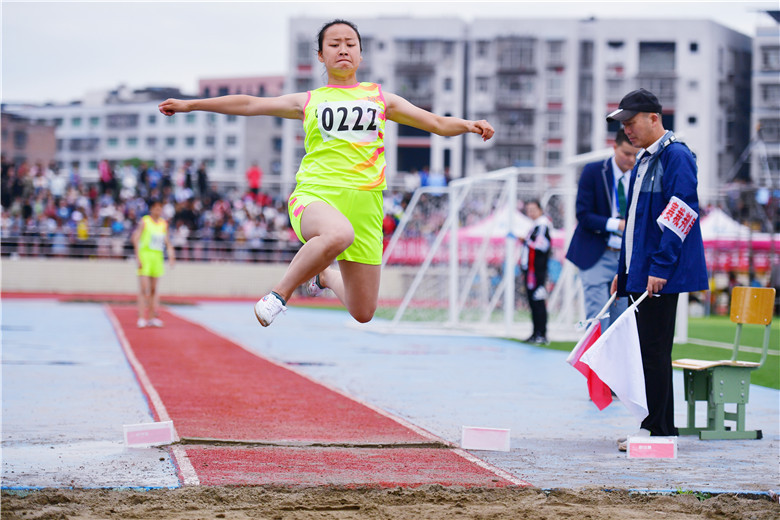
x=538 y=313
x=655 y=322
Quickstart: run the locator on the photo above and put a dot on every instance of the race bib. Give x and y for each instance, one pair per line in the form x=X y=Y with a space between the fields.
x=157 y=241
x=679 y=217
x=352 y=121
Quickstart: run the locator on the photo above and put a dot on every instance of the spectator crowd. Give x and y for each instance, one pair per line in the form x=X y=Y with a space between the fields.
x=52 y=211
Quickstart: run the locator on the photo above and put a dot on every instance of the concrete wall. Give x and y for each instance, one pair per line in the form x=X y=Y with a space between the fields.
x=224 y=279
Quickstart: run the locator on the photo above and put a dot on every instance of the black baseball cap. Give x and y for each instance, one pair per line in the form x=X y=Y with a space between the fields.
x=639 y=100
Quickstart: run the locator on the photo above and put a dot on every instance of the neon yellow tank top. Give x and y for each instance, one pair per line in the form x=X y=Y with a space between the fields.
x=153 y=235
x=345 y=128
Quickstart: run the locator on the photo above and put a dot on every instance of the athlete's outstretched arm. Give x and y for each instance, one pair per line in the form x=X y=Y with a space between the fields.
x=402 y=111
x=289 y=106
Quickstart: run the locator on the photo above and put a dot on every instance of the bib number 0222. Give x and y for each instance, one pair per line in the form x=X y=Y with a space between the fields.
x=354 y=121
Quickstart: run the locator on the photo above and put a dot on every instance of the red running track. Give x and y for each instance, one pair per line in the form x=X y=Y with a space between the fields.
x=282 y=427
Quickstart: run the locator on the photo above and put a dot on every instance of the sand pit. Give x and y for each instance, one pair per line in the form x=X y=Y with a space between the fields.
x=427 y=502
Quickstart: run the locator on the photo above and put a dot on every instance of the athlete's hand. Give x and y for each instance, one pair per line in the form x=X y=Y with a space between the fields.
x=482 y=128
x=172 y=106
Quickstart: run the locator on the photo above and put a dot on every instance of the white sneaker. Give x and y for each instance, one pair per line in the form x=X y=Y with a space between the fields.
x=623 y=441
x=142 y=323
x=155 y=322
x=313 y=288
x=268 y=308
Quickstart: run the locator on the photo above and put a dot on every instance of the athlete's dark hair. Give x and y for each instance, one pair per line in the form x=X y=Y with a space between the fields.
x=321 y=34
x=621 y=137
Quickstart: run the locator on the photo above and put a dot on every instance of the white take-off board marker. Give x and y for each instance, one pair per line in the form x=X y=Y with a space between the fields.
x=148 y=434
x=479 y=438
x=652 y=447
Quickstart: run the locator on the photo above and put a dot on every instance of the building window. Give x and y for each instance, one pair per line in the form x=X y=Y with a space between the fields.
x=223 y=91
x=207 y=92
x=555 y=86
x=20 y=139
x=303 y=52
x=132 y=142
x=769 y=130
x=151 y=142
x=447 y=84
x=230 y=164
x=692 y=120
x=770 y=94
x=58 y=121
x=615 y=44
x=94 y=122
x=151 y=119
x=232 y=119
x=112 y=142
x=190 y=119
x=553 y=157
x=119 y=121
x=586 y=54
x=75 y=122
x=211 y=118
x=189 y=142
x=231 y=140
x=555 y=52
x=770 y=58
x=483 y=84
x=170 y=141
x=656 y=57
x=210 y=140
x=555 y=123
x=92 y=165
x=482 y=48
x=277 y=144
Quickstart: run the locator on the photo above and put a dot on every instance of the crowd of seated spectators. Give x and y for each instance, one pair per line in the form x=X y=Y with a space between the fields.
x=48 y=211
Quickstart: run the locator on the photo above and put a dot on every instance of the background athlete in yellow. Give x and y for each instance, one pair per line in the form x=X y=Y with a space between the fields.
x=326 y=230
x=150 y=240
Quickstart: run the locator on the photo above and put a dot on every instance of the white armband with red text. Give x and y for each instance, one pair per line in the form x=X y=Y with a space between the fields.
x=679 y=217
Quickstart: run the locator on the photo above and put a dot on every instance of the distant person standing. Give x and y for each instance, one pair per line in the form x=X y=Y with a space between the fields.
x=202 y=179
x=533 y=264
x=150 y=240
x=254 y=178
x=662 y=251
x=601 y=219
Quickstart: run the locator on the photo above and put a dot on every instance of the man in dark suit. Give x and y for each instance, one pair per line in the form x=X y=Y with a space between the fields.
x=601 y=206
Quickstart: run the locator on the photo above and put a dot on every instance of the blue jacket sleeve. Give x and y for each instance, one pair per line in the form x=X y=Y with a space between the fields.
x=679 y=180
x=587 y=196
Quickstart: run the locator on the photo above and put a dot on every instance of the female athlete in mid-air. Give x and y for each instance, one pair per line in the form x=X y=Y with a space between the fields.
x=336 y=208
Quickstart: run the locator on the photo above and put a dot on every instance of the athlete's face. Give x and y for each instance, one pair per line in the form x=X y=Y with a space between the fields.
x=625 y=156
x=340 y=48
x=155 y=210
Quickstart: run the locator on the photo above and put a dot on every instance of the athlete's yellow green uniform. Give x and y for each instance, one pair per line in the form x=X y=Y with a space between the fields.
x=344 y=164
x=151 y=247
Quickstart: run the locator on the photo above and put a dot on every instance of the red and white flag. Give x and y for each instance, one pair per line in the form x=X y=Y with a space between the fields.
x=599 y=392
x=615 y=358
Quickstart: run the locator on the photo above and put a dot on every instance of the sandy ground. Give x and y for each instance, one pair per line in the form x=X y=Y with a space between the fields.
x=428 y=502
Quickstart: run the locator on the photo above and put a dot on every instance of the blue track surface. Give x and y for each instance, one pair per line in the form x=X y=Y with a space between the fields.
x=67 y=391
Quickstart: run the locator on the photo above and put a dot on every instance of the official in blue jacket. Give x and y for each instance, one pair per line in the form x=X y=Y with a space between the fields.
x=662 y=251
x=601 y=214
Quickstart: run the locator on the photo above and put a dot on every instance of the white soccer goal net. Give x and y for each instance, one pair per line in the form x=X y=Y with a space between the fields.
x=459 y=247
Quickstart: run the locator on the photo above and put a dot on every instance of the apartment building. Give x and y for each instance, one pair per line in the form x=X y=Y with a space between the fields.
x=27 y=141
x=765 y=159
x=546 y=85
x=126 y=124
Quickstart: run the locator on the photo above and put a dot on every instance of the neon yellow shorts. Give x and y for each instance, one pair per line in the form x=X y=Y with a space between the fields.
x=152 y=264
x=362 y=208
